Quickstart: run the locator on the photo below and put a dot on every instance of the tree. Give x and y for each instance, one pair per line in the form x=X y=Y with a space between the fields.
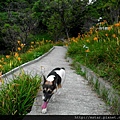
x=62 y=17
x=54 y=14
x=108 y=10
x=17 y=23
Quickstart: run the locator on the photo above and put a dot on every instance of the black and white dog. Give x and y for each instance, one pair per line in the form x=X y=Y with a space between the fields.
x=52 y=83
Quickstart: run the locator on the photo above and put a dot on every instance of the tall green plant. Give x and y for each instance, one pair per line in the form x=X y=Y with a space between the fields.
x=16 y=98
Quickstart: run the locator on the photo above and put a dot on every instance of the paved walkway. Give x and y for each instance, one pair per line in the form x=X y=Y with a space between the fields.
x=76 y=98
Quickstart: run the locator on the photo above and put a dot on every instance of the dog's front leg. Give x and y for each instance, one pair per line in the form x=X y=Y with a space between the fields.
x=59 y=91
x=53 y=98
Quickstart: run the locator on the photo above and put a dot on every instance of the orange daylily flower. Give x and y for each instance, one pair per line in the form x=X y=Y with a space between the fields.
x=109 y=28
x=114 y=35
x=95 y=38
x=87 y=50
x=19 y=58
x=88 y=41
x=106 y=34
x=7 y=56
x=19 y=48
x=22 y=45
x=117 y=25
x=16 y=54
x=18 y=41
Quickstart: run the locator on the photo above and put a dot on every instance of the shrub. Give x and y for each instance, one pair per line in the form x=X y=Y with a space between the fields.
x=100 y=51
x=17 y=97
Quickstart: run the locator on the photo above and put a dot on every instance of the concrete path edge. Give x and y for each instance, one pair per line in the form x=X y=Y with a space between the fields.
x=103 y=88
x=26 y=64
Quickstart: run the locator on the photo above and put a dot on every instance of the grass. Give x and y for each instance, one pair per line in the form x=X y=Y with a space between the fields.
x=15 y=59
x=17 y=97
x=99 y=51
x=43 y=36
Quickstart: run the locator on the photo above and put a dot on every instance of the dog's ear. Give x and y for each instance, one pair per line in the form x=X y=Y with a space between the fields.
x=54 y=82
x=44 y=79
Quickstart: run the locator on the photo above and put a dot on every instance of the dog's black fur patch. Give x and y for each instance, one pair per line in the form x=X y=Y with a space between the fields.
x=49 y=87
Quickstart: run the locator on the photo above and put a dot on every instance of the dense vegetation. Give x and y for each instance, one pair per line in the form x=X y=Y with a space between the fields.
x=15 y=59
x=29 y=28
x=100 y=51
x=23 y=19
x=17 y=97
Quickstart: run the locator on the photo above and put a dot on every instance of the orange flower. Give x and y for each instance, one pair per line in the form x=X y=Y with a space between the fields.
x=18 y=41
x=2 y=59
x=7 y=56
x=117 y=25
x=5 y=63
x=88 y=41
x=95 y=39
x=114 y=35
x=16 y=54
x=22 y=45
x=90 y=31
x=109 y=28
x=19 y=48
x=66 y=45
x=1 y=67
x=106 y=34
x=87 y=50
x=19 y=58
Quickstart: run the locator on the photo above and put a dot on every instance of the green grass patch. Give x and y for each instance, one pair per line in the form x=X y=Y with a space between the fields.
x=7 y=64
x=17 y=97
x=43 y=36
x=99 y=51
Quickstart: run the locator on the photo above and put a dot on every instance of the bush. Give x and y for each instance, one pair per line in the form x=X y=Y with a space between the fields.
x=100 y=51
x=13 y=60
x=17 y=97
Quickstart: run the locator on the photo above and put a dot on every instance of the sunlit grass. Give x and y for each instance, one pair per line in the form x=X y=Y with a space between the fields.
x=19 y=57
x=17 y=97
x=100 y=51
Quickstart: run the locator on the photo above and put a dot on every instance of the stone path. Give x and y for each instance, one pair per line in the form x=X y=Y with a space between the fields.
x=76 y=98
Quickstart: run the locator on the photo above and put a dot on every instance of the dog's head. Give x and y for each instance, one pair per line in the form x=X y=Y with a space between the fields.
x=48 y=89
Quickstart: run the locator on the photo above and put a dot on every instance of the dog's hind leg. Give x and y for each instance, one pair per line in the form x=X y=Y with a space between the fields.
x=59 y=86
x=59 y=91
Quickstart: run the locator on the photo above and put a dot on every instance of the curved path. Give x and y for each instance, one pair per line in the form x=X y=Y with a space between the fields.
x=76 y=98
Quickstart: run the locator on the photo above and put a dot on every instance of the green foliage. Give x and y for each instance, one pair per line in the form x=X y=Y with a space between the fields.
x=31 y=54
x=59 y=18
x=108 y=9
x=17 y=97
x=42 y=36
x=16 y=23
x=100 y=51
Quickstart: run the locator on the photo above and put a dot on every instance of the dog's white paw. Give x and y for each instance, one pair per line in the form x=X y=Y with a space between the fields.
x=44 y=110
x=43 y=97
